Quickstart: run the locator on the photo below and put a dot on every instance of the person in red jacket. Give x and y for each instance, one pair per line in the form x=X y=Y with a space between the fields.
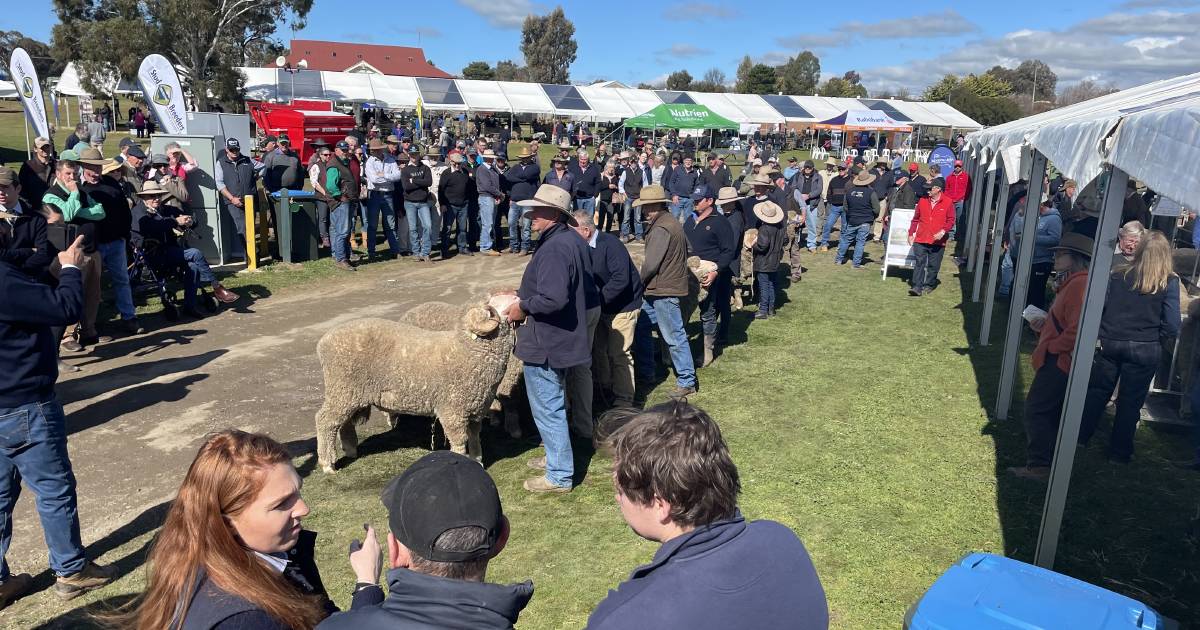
x=927 y=234
x=958 y=184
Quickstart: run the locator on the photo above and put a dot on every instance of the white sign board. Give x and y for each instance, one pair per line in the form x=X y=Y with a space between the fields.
x=899 y=253
x=160 y=86
x=25 y=79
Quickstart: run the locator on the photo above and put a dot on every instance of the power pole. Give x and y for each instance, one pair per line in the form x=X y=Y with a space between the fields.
x=1033 y=91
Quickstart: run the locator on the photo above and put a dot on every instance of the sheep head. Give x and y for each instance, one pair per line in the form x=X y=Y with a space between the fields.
x=484 y=319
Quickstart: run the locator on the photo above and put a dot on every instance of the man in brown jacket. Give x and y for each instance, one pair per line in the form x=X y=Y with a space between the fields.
x=665 y=277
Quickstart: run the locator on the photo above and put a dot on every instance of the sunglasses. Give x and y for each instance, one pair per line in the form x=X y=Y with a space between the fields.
x=326 y=154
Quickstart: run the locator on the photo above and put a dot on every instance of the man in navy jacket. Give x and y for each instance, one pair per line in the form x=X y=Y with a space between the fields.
x=677 y=485
x=554 y=337
x=33 y=433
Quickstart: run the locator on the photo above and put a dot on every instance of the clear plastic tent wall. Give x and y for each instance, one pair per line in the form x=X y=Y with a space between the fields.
x=526 y=98
x=757 y=110
x=606 y=104
x=721 y=104
x=640 y=101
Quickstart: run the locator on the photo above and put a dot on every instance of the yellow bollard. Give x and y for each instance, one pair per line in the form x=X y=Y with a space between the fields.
x=251 y=233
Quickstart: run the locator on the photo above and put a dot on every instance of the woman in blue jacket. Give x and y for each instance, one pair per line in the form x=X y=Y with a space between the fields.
x=1049 y=232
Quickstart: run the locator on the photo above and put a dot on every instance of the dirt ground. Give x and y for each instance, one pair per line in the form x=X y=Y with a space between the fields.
x=139 y=407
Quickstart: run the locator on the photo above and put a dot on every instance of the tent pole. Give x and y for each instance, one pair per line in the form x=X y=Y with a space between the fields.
x=1081 y=371
x=976 y=260
x=977 y=172
x=1016 y=301
x=25 y=126
x=989 y=298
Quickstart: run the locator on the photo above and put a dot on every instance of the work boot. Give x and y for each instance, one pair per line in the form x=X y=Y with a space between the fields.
x=710 y=342
x=681 y=393
x=63 y=366
x=344 y=265
x=14 y=588
x=224 y=295
x=132 y=326
x=92 y=577
x=492 y=252
x=541 y=485
x=537 y=463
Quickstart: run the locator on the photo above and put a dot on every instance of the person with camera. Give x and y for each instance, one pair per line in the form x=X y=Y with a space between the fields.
x=162 y=225
x=68 y=207
x=33 y=433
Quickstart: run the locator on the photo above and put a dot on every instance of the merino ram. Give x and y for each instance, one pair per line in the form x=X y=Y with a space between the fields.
x=401 y=369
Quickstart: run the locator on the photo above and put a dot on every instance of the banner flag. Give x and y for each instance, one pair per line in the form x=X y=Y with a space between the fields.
x=160 y=86
x=23 y=74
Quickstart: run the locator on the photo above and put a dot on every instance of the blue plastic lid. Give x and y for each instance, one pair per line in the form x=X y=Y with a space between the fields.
x=988 y=592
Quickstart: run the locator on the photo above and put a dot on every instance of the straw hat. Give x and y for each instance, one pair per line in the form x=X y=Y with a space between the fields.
x=1076 y=242
x=831 y=162
x=393 y=139
x=760 y=179
x=93 y=157
x=488 y=154
x=768 y=212
x=375 y=145
x=864 y=178
x=457 y=158
x=550 y=196
x=726 y=195
x=112 y=167
x=151 y=189
x=526 y=152
x=653 y=193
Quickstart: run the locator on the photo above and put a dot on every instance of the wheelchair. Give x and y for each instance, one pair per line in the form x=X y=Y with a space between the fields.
x=147 y=279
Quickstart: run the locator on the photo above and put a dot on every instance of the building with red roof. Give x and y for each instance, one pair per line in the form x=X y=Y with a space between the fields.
x=402 y=61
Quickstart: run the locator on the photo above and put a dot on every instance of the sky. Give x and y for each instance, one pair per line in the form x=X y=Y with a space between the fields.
x=892 y=45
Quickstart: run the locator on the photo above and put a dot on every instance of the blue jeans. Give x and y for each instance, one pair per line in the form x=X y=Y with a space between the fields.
x=418 y=226
x=859 y=233
x=835 y=212
x=1006 y=274
x=716 y=306
x=462 y=225
x=958 y=211
x=487 y=221
x=520 y=230
x=339 y=222
x=670 y=327
x=546 y=388
x=195 y=269
x=588 y=204
x=381 y=200
x=766 y=291
x=33 y=448
x=112 y=256
x=813 y=225
x=682 y=209
x=643 y=344
x=632 y=216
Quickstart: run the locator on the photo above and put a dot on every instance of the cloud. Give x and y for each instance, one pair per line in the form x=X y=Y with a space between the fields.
x=698 y=12
x=502 y=13
x=1154 y=23
x=678 y=51
x=1158 y=4
x=1143 y=51
x=810 y=41
x=949 y=23
x=422 y=31
x=773 y=58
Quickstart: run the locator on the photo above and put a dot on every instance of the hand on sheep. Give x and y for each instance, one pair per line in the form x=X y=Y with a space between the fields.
x=514 y=313
x=365 y=558
x=708 y=279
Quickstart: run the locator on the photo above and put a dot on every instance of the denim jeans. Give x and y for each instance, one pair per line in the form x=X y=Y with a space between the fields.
x=520 y=237
x=112 y=255
x=643 y=344
x=1006 y=275
x=381 y=200
x=418 y=226
x=1127 y=367
x=766 y=291
x=857 y=232
x=958 y=224
x=339 y=223
x=487 y=221
x=682 y=209
x=835 y=212
x=323 y=219
x=588 y=204
x=183 y=259
x=813 y=224
x=631 y=220
x=462 y=225
x=546 y=388
x=670 y=326
x=33 y=449
x=716 y=306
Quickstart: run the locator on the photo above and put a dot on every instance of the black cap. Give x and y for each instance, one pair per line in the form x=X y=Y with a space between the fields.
x=124 y=141
x=136 y=151
x=442 y=491
x=792 y=160
x=319 y=143
x=701 y=192
x=233 y=145
x=939 y=182
x=270 y=139
x=343 y=145
x=858 y=159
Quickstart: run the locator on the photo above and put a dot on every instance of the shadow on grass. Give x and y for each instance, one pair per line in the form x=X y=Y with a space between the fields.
x=1133 y=529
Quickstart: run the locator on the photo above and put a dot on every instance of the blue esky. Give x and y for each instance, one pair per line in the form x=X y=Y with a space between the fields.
x=891 y=44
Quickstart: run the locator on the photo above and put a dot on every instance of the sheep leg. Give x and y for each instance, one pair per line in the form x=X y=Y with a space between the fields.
x=393 y=419
x=330 y=421
x=349 y=433
x=455 y=428
x=474 y=446
x=512 y=420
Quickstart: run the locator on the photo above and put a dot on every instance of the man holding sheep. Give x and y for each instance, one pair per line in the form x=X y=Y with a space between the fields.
x=554 y=334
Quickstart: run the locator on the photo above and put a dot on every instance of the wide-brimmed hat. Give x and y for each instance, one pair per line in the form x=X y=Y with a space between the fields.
x=375 y=145
x=457 y=158
x=432 y=152
x=768 y=212
x=488 y=154
x=760 y=179
x=1075 y=242
x=393 y=139
x=112 y=167
x=625 y=155
x=526 y=152
x=653 y=193
x=864 y=178
x=151 y=189
x=728 y=194
x=550 y=196
x=94 y=157
x=831 y=162
x=559 y=158
x=318 y=143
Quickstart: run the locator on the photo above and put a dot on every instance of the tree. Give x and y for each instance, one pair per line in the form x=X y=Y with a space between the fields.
x=713 y=81
x=478 y=70
x=39 y=53
x=508 y=70
x=548 y=43
x=205 y=39
x=993 y=110
x=799 y=75
x=1085 y=90
x=941 y=90
x=986 y=85
x=1035 y=79
x=841 y=87
x=743 y=74
x=646 y=86
x=679 y=80
x=760 y=80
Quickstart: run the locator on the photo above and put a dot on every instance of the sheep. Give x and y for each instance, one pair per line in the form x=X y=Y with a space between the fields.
x=696 y=293
x=402 y=369
x=443 y=316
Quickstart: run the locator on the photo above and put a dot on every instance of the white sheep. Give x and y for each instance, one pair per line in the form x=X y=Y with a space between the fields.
x=443 y=316
x=405 y=370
